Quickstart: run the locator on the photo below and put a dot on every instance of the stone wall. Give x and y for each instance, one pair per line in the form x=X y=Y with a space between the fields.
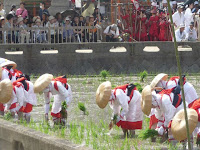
x=17 y=137
x=135 y=60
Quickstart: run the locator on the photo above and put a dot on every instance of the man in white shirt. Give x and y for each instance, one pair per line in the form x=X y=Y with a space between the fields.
x=112 y=33
x=180 y=34
x=2 y=11
x=191 y=33
x=178 y=17
x=189 y=16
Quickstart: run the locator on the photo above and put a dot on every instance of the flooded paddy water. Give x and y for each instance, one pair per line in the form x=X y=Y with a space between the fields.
x=92 y=130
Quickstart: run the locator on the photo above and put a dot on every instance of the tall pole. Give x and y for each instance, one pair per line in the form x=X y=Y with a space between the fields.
x=179 y=72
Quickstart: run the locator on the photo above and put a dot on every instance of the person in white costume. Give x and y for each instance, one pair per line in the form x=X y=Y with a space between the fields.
x=61 y=91
x=125 y=101
x=191 y=33
x=30 y=98
x=180 y=34
x=166 y=105
x=17 y=100
x=189 y=16
x=178 y=17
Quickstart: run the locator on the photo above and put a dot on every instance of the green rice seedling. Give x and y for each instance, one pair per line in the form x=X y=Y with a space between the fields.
x=143 y=75
x=148 y=133
x=139 y=87
x=82 y=107
x=104 y=74
x=8 y=116
x=63 y=110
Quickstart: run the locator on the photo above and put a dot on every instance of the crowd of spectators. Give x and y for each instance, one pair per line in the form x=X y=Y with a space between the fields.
x=46 y=28
x=134 y=25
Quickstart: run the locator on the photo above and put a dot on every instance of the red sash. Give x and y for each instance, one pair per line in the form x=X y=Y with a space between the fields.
x=123 y=88
x=62 y=80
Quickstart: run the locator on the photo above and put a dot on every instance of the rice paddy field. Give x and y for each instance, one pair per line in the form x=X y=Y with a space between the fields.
x=91 y=129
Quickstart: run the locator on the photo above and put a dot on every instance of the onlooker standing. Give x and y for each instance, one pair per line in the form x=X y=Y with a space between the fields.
x=22 y=11
x=68 y=31
x=191 y=33
x=180 y=34
x=51 y=24
x=13 y=10
x=42 y=10
x=78 y=31
x=2 y=11
x=45 y=18
x=24 y=35
x=2 y=23
x=189 y=16
x=39 y=35
x=92 y=31
x=8 y=26
x=178 y=17
x=112 y=33
x=96 y=14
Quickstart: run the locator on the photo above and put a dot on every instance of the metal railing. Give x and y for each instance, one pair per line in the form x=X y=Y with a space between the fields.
x=50 y=34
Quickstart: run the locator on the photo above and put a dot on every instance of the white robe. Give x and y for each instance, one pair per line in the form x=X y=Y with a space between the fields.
x=60 y=95
x=180 y=36
x=131 y=112
x=189 y=90
x=30 y=96
x=178 y=18
x=165 y=110
x=188 y=17
x=191 y=35
x=17 y=97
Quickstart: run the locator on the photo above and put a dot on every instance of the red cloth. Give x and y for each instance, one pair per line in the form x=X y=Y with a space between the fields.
x=130 y=125
x=153 y=28
x=164 y=31
x=17 y=73
x=21 y=109
x=124 y=87
x=142 y=31
x=2 y=107
x=14 y=105
x=62 y=80
x=28 y=108
x=196 y=106
x=153 y=120
x=58 y=115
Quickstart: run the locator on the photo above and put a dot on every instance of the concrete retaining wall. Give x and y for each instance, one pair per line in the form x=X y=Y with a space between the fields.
x=17 y=137
x=135 y=60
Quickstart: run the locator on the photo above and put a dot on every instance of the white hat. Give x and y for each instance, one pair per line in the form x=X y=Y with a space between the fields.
x=174 y=2
x=161 y=76
x=153 y=4
x=103 y=94
x=2 y=18
x=67 y=19
x=196 y=3
x=42 y=82
x=38 y=20
x=51 y=17
x=146 y=102
x=20 y=19
x=6 y=89
x=9 y=63
x=181 y=26
x=164 y=1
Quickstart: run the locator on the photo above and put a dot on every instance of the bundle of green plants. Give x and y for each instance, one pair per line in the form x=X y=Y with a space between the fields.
x=139 y=87
x=8 y=116
x=104 y=74
x=63 y=110
x=143 y=75
x=82 y=107
x=148 y=133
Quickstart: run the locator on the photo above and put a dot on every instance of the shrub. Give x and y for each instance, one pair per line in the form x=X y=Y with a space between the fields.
x=104 y=74
x=143 y=75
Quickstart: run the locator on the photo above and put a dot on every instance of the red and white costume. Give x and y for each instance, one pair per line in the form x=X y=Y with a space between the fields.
x=165 y=110
x=131 y=115
x=61 y=92
x=17 y=99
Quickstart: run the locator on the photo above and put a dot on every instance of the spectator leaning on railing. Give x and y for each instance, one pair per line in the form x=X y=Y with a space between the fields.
x=52 y=25
x=112 y=33
x=24 y=35
x=8 y=34
x=68 y=34
x=191 y=33
x=39 y=34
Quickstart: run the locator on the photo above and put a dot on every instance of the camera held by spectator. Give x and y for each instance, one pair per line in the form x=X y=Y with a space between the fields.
x=112 y=33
